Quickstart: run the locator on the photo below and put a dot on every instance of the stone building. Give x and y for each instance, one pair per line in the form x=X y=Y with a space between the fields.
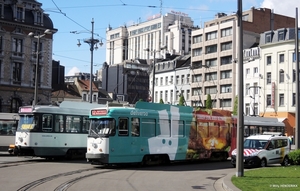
x=19 y=52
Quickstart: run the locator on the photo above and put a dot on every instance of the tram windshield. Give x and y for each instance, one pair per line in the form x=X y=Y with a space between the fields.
x=102 y=127
x=28 y=123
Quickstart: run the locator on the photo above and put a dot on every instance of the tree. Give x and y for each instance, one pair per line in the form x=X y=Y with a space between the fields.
x=235 y=107
x=181 y=100
x=161 y=101
x=208 y=103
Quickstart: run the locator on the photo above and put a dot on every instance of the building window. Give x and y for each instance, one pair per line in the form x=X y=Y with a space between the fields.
x=294 y=99
x=156 y=82
x=281 y=76
x=39 y=18
x=196 y=91
x=188 y=78
x=247 y=109
x=1 y=44
x=84 y=97
x=268 y=37
x=268 y=77
x=17 y=47
x=211 y=62
x=255 y=70
x=247 y=71
x=171 y=95
x=211 y=49
x=177 y=80
x=255 y=88
x=226 y=32
x=226 y=60
x=226 y=46
x=211 y=35
x=226 y=88
x=161 y=81
x=255 y=109
x=269 y=100
x=166 y=96
x=226 y=74
x=294 y=75
x=247 y=89
x=182 y=79
x=171 y=81
x=197 y=39
x=197 y=78
x=211 y=76
x=161 y=95
x=197 y=52
x=19 y=13
x=211 y=90
x=225 y=103
x=281 y=99
x=166 y=80
x=281 y=35
x=281 y=58
x=17 y=70
x=269 y=60
x=94 y=98
x=188 y=94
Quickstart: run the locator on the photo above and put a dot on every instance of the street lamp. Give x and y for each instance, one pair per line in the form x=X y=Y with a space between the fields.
x=38 y=37
x=93 y=45
x=153 y=69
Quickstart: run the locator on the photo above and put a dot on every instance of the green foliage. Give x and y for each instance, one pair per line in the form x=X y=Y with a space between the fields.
x=181 y=100
x=235 y=107
x=294 y=157
x=141 y=100
x=208 y=102
x=161 y=101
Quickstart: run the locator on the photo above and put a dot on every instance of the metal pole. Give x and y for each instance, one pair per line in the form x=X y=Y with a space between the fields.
x=297 y=133
x=240 y=122
x=35 y=101
x=153 y=77
x=92 y=56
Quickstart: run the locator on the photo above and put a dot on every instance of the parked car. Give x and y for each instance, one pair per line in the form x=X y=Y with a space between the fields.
x=262 y=150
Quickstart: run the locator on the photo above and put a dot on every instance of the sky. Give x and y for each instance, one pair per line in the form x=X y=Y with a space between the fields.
x=75 y=15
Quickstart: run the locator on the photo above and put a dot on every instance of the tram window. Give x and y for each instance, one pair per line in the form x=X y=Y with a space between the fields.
x=85 y=125
x=47 y=123
x=180 y=129
x=72 y=124
x=123 y=127
x=164 y=128
x=148 y=127
x=135 y=127
x=59 y=123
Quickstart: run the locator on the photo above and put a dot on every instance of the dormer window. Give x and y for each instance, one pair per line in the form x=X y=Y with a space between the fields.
x=281 y=35
x=268 y=37
x=39 y=18
x=19 y=14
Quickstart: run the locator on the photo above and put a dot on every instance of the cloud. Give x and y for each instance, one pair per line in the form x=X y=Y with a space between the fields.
x=282 y=7
x=73 y=71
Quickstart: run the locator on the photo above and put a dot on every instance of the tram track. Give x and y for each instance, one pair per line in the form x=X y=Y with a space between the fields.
x=67 y=184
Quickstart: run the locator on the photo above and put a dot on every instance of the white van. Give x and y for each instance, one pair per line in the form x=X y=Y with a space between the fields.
x=261 y=150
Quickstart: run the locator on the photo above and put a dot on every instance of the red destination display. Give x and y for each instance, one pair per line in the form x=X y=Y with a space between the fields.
x=99 y=112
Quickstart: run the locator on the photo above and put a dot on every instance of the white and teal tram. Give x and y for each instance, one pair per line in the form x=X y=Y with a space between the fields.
x=152 y=133
x=51 y=131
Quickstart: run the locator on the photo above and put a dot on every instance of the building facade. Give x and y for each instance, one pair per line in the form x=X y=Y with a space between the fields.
x=127 y=82
x=278 y=76
x=19 y=53
x=171 y=31
x=214 y=53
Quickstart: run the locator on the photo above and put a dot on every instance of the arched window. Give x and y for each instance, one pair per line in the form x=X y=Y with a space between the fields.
x=15 y=104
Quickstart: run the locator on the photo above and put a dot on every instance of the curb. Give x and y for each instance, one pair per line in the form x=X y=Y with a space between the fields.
x=227 y=184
